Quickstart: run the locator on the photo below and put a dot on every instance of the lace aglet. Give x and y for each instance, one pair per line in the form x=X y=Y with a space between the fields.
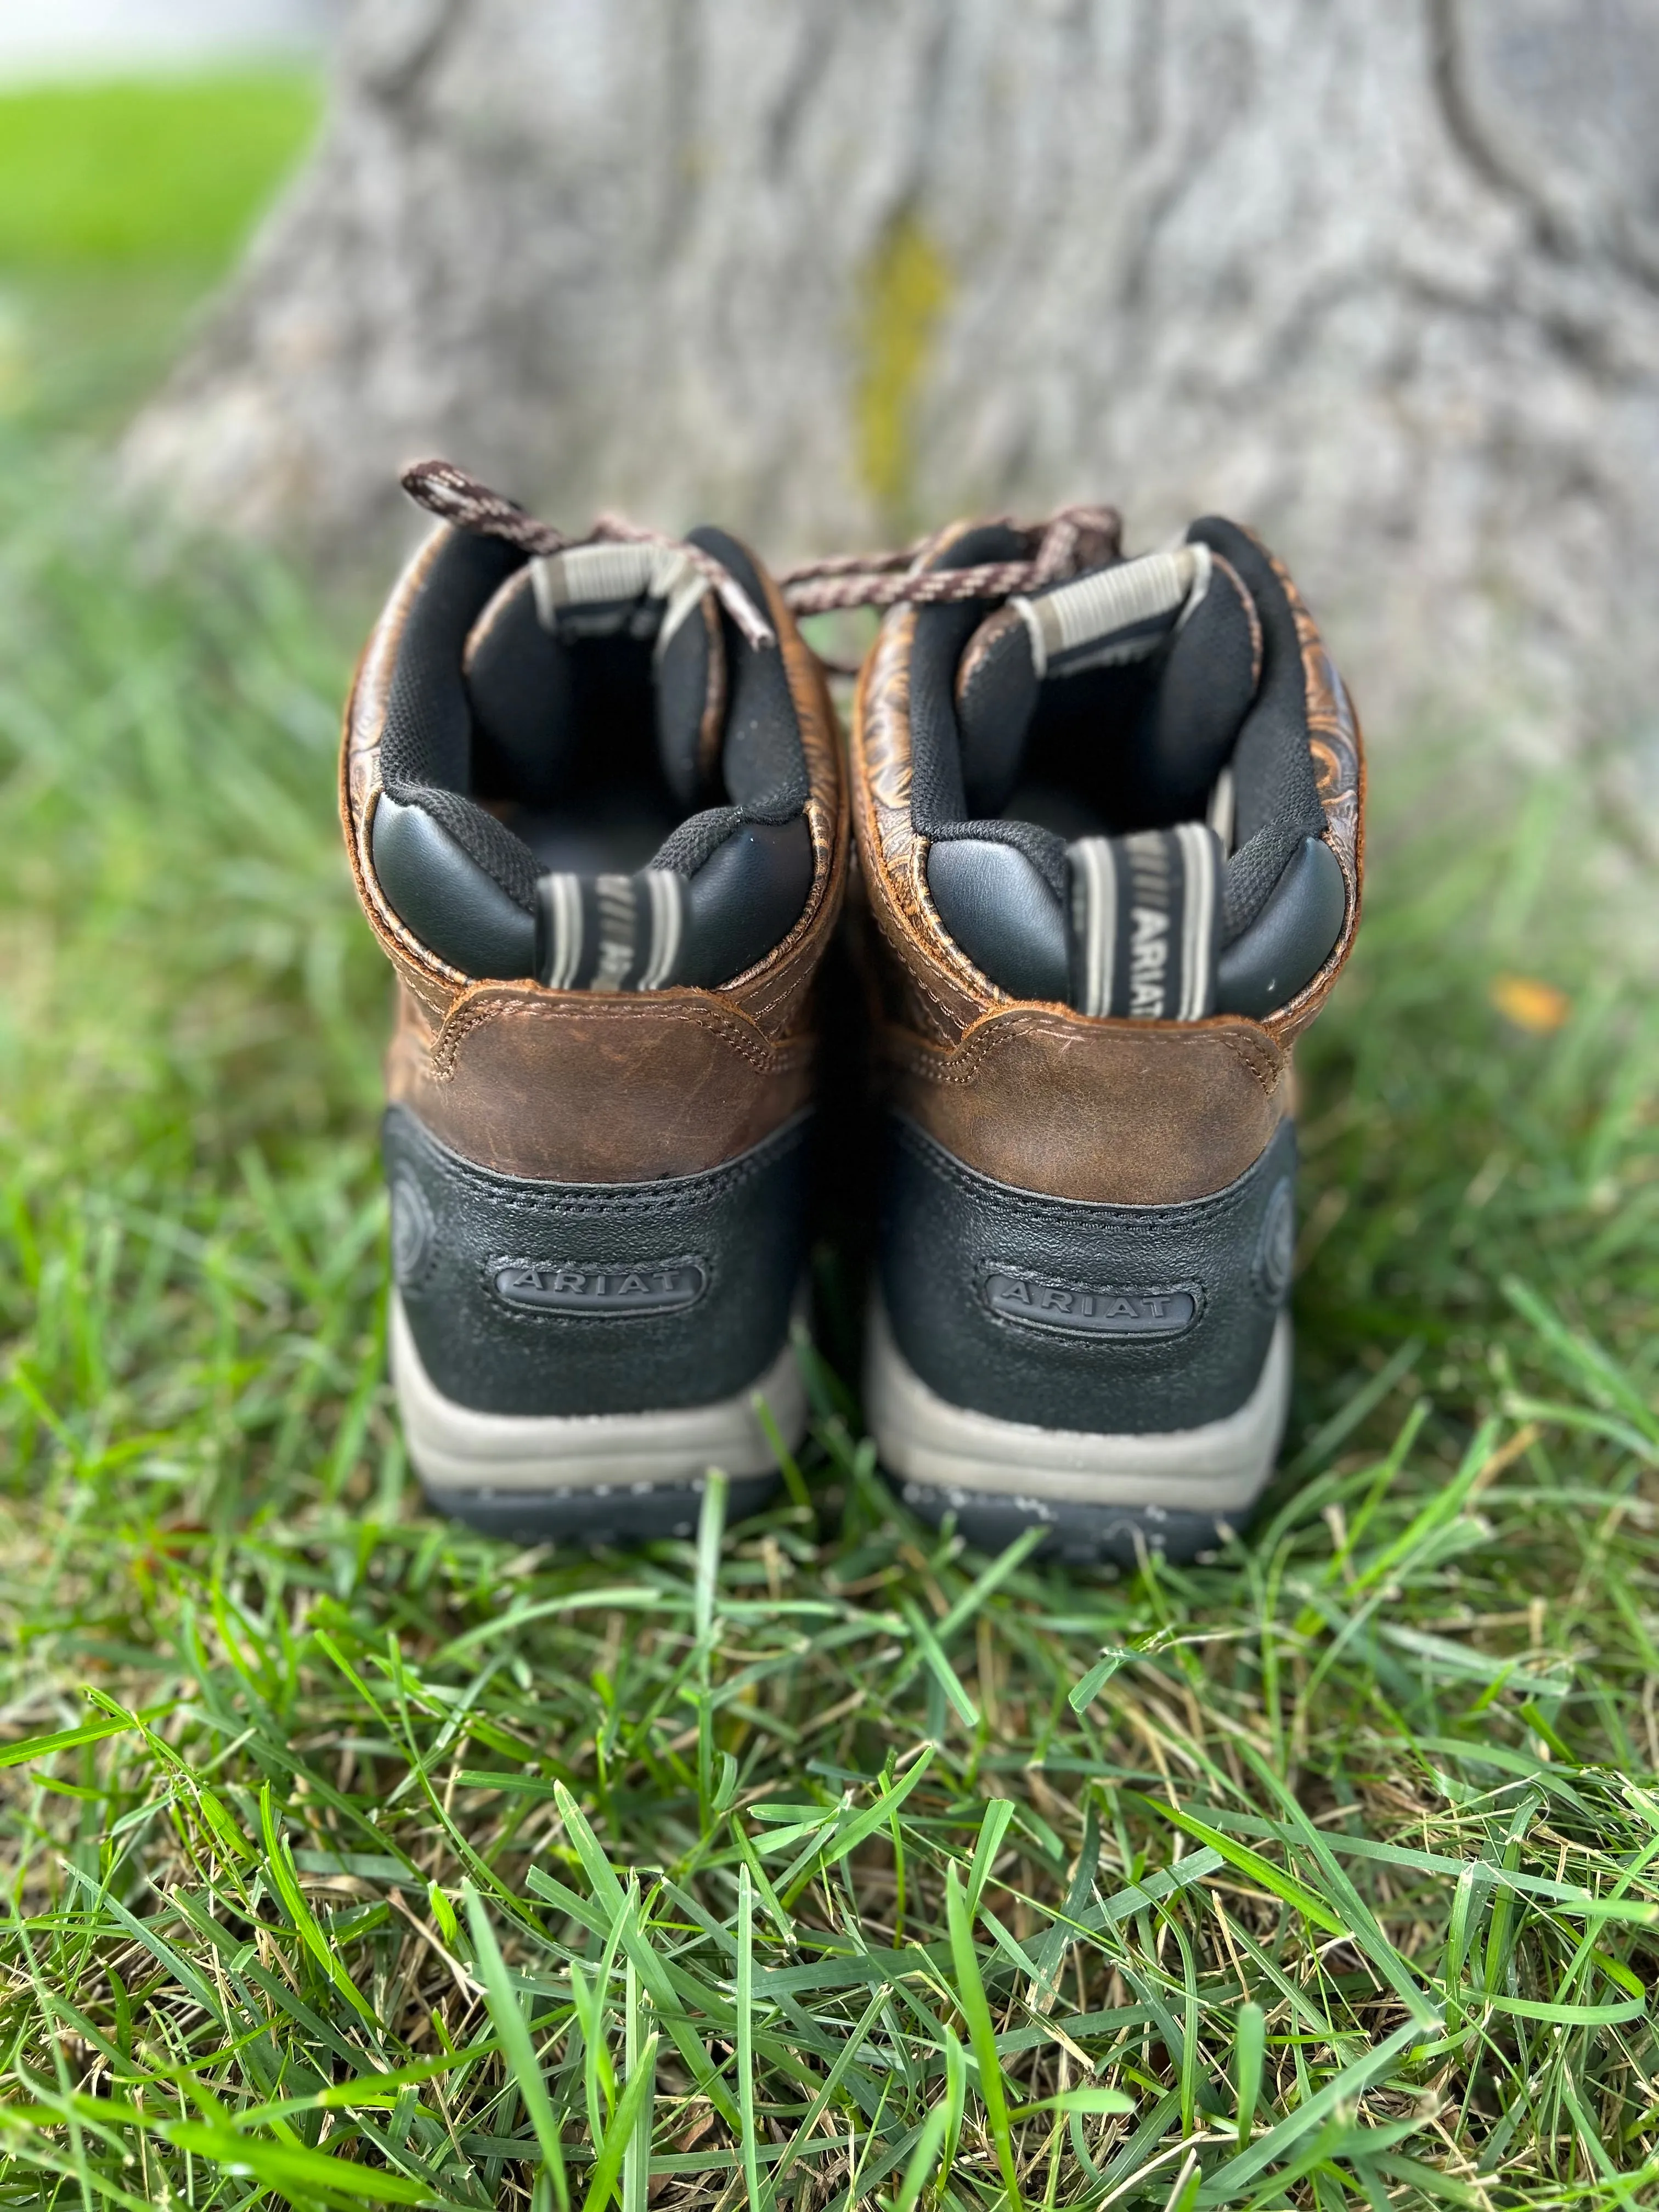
x=460 y=499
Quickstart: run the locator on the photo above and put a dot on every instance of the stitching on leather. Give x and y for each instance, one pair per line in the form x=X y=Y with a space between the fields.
x=965 y=1064
x=620 y=1201
x=950 y=1029
x=918 y=958
x=987 y=1192
x=764 y=1056
x=949 y=1025
x=974 y=983
x=890 y=920
x=1264 y=1066
x=884 y=703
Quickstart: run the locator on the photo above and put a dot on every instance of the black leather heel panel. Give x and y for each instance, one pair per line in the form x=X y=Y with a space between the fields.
x=998 y=906
x=1289 y=940
x=746 y=898
x=537 y=1297
x=1115 y=1319
x=453 y=905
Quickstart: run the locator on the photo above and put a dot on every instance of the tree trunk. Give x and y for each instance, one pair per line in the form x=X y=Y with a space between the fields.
x=1381 y=279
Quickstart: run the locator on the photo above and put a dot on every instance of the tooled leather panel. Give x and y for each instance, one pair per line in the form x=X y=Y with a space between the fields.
x=946 y=990
x=434 y=981
x=1126 y=1113
x=773 y=994
x=1339 y=758
x=579 y=1087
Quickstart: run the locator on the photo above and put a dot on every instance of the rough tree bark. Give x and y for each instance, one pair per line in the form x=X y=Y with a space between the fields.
x=1383 y=279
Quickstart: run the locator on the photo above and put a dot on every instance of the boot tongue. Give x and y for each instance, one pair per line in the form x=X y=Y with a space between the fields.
x=519 y=659
x=1157 y=659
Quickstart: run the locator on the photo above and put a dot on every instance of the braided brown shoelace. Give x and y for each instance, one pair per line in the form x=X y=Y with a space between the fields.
x=1073 y=539
x=457 y=498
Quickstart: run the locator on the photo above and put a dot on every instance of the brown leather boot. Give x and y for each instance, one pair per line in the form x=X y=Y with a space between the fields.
x=592 y=797
x=1108 y=828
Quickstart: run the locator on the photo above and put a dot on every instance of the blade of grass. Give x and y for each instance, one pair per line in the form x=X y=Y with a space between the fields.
x=938 y=1665
x=508 y=2019
x=1249 y=2045
x=746 y=1990
x=1222 y=2186
x=1244 y=1860
x=976 y=2011
x=635 y=2099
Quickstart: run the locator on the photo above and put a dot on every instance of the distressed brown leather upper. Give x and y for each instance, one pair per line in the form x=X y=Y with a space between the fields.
x=584 y=1086
x=1040 y=1096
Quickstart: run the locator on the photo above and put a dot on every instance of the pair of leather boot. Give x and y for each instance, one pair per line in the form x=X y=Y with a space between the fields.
x=1106 y=832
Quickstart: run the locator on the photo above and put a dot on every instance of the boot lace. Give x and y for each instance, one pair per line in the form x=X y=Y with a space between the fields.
x=1058 y=546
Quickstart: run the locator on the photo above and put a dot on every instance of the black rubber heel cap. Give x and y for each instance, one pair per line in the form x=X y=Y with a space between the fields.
x=1080 y=1535
x=607 y=1519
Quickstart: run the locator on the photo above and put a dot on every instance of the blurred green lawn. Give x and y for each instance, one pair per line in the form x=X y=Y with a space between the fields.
x=277 y=1721
x=120 y=205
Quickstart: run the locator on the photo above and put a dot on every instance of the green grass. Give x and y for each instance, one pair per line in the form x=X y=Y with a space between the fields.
x=352 y=1859
x=349 y=1859
x=120 y=204
x=110 y=175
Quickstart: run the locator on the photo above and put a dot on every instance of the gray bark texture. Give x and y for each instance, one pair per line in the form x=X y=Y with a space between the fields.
x=1380 y=276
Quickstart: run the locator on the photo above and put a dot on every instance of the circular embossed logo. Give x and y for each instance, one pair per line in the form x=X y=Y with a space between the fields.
x=1275 y=1247
x=412 y=1230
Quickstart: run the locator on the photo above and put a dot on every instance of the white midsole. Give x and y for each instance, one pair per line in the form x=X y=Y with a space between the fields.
x=1217 y=1468
x=457 y=1448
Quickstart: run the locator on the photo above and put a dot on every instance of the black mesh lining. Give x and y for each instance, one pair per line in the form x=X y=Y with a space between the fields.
x=697 y=839
x=763 y=762
x=939 y=807
x=497 y=850
x=1275 y=792
x=427 y=733
x=518 y=685
x=1276 y=796
x=426 y=740
x=1041 y=847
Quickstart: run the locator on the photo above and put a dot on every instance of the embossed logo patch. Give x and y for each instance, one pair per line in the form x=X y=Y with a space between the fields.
x=1275 y=1249
x=1083 y=1310
x=594 y=1287
x=412 y=1231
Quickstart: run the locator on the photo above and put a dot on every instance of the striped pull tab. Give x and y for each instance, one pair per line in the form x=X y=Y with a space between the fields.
x=1145 y=923
x=597 y=590
x=609 y=932
x=1116 y=615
